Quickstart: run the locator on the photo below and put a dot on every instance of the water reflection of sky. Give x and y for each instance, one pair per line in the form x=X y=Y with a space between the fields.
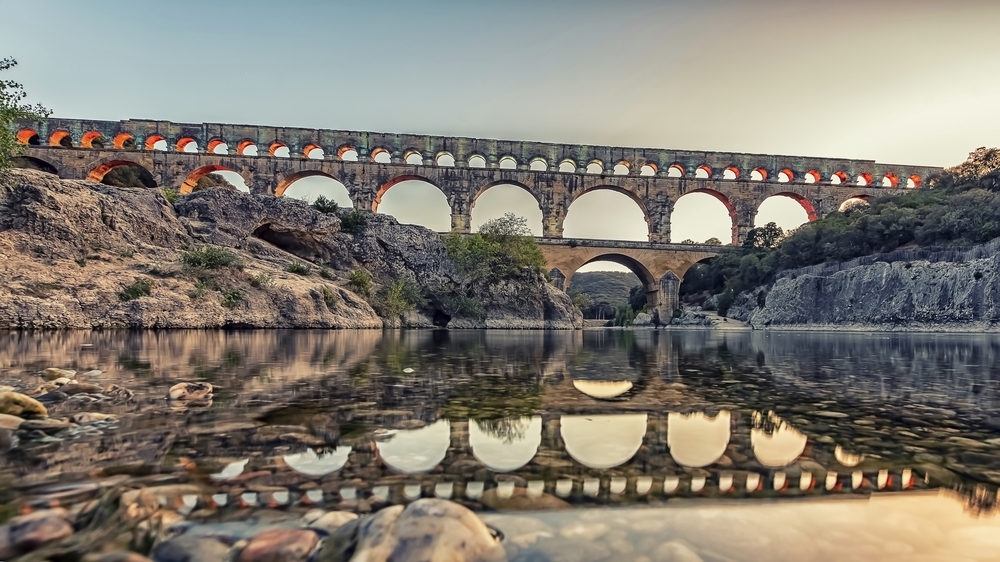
x=505 y=444
x=416 y=450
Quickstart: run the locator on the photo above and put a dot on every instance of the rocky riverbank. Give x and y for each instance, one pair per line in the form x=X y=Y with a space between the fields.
x=78 y=255
x=908 y=290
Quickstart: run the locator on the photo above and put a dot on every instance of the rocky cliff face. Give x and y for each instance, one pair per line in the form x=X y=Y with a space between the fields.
x=68 y=248
x=947 y=291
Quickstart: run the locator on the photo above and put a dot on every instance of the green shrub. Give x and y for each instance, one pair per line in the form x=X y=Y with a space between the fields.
x=325 y=205
x=81 y=261
x=398 y=297
x=299 y=268
x=171 y=195
x=502 y=248
x=624 y=316
x=353 y=221
x=464 y=306
x=231 y=298
x=582 y=301
x=142 y=287
x=211 y=257
x=261 y=280
x=126 y=253
x=330 y=297
x=325 y=273
x=360 y=282
x=200 y=288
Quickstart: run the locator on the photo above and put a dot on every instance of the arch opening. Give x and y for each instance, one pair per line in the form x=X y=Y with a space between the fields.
x=731 y=173
x=505 y=444
x=497 y=199
x=864 y=180
x=28 y=137
x=477 y=161
x=603 y=441
x=445 y=159
x=812 y=176
x=279 y=150
x=622 y=169
x=347 y=154
x=758 y=174
x=31 y=163
x=156 y=142
x=697 y=440
x=838 y=178
x=913 y=182
x=187 y=144
x=211 y=176
x=381 y=156
x=604 y=301
x=787 y=210
x=61 y=138
x=310 y=184
x=122 y=173
x=538 y=165
x=703 y=172
x=508 y=163
x=313 y=464
x=414 y=200
x=676 y=171
x=415 y=450
x=786 y=176
x=92 y=139
x=588 y=214
x=414 y=158
x=647 y=170
x=124 y=141
x=567 y=166
x=216 y=146
x=890 y=180
x=313 y=152
x=703 y=215
x=595 y=167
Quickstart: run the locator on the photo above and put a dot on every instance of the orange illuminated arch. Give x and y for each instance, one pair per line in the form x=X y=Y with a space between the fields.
x=275 y=147
x=761 y=174
x=733 y=170
x=704 y=168
x=121 y=139
x=788 y=174
x=98 y=173
x=243 y=145
x=184 y=142
x=378 y=152
x=914 y=181
x=26 y=136
x=648 y=169
x=625 y=164
x=812 y=176
x=89 y=138
x=309 y=148
x=802 y=201
x=345 y=149
x=287 y=182
x=192 y=180
x=61 y=138
x=866 y=178
x=213 y=144
x=892 y=179
x=676 y=170
x=838 y=178
x=504 y=182
x=151 y=141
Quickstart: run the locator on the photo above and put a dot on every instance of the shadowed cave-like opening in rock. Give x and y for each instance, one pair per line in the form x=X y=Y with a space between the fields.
x=298 y=243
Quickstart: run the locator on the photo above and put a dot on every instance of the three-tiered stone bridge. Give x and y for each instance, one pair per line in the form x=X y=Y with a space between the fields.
x=368 y=164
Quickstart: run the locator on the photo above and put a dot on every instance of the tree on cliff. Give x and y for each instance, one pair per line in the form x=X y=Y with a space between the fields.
x=12 y=109
x=502 y=248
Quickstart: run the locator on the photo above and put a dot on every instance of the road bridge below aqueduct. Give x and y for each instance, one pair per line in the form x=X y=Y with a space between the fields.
x=270 y=159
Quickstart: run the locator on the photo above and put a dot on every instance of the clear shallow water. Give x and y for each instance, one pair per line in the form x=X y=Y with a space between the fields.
x=720 y=445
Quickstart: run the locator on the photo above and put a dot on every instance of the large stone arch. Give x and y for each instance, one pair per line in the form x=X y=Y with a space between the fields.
x=633 y=195
x=97 y=173
x=535 y=195
x=386 y=186
x=725 y=200
x=32 y=163
x=192 y=179
x=285 y=182
x=802 y=200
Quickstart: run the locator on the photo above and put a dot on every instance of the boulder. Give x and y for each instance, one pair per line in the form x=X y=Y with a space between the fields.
x=17 y=404
x=280 y=545
x=32 y=531
x=190 y=391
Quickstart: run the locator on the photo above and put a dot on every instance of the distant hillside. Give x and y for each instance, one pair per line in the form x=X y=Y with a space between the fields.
x=607 y=290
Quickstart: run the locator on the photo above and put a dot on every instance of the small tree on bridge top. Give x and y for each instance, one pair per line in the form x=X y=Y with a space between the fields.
x=13 y=109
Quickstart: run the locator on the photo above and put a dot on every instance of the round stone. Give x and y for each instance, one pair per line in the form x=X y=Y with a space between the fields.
x=280 y=545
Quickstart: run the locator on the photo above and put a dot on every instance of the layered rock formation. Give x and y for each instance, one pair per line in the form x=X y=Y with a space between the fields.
x=68 y=248
x=910 y=290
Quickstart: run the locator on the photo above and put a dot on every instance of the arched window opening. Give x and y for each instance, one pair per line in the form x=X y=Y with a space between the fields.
x=500 y=199
x=785 y=176
x=700 y=216
x=124 y=141
x=604 y=306
x=92 y=139
x=477 y=161
x=647 y=170
x=622 y=169
x=508 y=163
x=538 y=165
x=121 y=173
x=675 y=171
x=890 y=180
x=307 y=186
x=381 y=156
x=246 y=148
x=156 y=142
x=595 y=167
x=61 y=138
x=313 y=152
x=838 y=178
x=855 y=203
x=587 y=217
x=187 y=144
x=347 y=154
x=445 y=159
x=864 y=179
x=913 y=182
x=28 y=137
x=812 y=176
x=216 y=146
x=703 y=172
x=279 y=150
x=758 y=174
x=213 y=176
x=414 y=201
x=786 y=210
x=731 y=173
x=567 y=166
x=414 y=158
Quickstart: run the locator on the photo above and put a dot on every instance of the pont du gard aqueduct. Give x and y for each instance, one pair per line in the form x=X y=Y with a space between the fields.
x=368 y=164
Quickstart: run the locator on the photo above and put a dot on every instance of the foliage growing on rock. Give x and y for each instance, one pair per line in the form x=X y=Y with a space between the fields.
x=325 y=205
x=12 y=109
x=142 y=287
x=398 y=297
x=501 y=248
x=353 y=221
x=361 y=282
x=211 y=257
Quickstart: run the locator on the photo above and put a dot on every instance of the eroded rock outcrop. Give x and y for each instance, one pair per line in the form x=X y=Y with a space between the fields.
x=68 y=249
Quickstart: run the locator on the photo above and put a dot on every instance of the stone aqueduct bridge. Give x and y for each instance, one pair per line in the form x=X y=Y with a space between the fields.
x=368 y=164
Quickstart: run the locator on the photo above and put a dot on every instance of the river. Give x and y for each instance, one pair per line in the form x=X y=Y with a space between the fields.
x=595 y=445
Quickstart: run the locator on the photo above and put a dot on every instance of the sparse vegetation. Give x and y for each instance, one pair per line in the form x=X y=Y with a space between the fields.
x=325 y=273
x=360 y=282
x=606 y=289
x=325 y=205
x=231 y=298
x=211 y=257
x=170 y=195
x=624 y=316
x=397 y=298
x=353 y=221
x=261 y=280
x=330 y=297
x=503 y=247
x=582 y=301
x=126 y=253
x=12 y=109
x=142 y=287
x=464 y=306
x=201 y=287
x=299 y=268
x=81 y=261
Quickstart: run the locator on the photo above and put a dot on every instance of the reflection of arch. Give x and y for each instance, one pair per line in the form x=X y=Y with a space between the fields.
x=311 y=464
x=32 y=163
x=192 y=180
x=697 y=440
x=780 y=447
x=61 y=138
x=603 y=441
x=802 y=201
x=399 y=179
x=416 y=450
x=602 y=390
x=98 y=173
x=505 y=444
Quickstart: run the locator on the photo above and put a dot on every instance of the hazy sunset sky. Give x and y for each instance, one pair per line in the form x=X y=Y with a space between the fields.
x=898 y=81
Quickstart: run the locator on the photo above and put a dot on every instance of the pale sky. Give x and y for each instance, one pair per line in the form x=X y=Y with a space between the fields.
x=898 y=81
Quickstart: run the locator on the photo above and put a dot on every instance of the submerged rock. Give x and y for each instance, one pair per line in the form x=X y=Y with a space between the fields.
x=280 y=545
x=17 y=404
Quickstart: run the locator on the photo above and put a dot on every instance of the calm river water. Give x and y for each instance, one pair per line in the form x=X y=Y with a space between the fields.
x=596 y=445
